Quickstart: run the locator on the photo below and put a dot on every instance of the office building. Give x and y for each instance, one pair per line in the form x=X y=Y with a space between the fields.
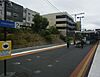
x=14 y=12
x=28 y=16
x=1 y=10
x=62 y=20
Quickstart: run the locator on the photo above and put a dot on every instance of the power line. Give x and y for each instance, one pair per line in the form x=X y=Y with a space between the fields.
x=54 y=6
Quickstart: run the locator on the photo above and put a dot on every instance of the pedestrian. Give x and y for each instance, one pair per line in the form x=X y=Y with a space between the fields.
x=82 y=43
x=68 y=42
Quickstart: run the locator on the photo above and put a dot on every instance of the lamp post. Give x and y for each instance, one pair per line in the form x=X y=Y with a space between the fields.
x=77 y=14
x=80 y=21
x=75 y=22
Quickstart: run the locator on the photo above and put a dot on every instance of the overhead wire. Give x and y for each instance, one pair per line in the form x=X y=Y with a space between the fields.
x=53 y=6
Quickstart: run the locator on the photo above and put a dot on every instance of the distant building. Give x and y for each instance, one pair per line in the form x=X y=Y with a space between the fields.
x=28 y=16
x=1 y=10
x=14 y=12
x=78 y=26
x=62 y=20
x=17 y=13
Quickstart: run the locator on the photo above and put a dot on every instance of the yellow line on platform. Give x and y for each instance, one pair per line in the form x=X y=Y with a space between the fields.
x=81 y=69
x=87 y=62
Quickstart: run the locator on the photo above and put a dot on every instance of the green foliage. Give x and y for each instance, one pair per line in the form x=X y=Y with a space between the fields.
x=45 y=33
x=40 y=23
x=44 y=23
x=62 y=37
x=53 y=30
x=1 y=29
x=1 y=36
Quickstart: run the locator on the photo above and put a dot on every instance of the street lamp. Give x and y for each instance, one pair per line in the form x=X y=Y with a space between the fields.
x=77 y=14
x=80 y=21
x=75 y=22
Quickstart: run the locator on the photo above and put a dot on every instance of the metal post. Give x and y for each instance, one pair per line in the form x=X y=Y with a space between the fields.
x=75 y=17
x=80 y=24
x=5 y=35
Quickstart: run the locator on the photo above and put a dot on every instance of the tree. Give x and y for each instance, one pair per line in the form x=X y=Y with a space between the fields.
x=53 y=30
x=40 y=23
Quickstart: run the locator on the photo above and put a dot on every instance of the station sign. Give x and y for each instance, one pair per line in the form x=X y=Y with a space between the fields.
x=7 y=24
x=5 y=50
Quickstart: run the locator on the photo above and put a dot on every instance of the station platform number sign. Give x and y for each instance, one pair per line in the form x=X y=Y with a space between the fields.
x=5 y=49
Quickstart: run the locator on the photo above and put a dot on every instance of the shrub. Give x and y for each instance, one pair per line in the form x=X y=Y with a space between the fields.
x=53 y=30
x=62 y=37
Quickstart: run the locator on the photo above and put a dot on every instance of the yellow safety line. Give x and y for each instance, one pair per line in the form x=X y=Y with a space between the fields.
x=81 y=73
x=81 y=69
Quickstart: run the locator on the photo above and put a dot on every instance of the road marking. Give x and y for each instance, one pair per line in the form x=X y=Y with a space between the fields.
x=81 y=69
x=38 y=56
x=50 y=65
x=57 y=61
x=17 y=63
x=36 y=50
x=29 y=59
x=37 y=71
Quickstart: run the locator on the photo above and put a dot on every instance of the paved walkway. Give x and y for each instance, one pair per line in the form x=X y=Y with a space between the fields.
x=95 y=68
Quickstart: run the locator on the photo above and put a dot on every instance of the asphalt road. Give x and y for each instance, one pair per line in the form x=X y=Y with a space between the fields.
x=53 y=63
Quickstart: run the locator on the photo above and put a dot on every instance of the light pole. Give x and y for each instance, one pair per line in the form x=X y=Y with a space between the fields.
x=80 y=21
x=75 y=22
x=77 y=14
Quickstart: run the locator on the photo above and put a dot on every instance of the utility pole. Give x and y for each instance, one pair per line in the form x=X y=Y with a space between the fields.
x=5 y=33
x=5 y=37
x=77 y=14
x=80 y=21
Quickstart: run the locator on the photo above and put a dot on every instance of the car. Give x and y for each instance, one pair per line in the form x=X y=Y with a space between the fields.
x=78 y=44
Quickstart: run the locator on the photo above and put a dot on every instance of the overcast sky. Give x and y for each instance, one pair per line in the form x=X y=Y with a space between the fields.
x=89 y=7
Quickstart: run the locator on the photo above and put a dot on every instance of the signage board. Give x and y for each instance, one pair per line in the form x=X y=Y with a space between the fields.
x=5 y=49
x=7 y=24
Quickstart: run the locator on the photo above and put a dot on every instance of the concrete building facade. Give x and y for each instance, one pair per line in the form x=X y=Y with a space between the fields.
x=62 y=20
x=14 y=12
x=28 y=16
x=17 y=13
x=1 y=10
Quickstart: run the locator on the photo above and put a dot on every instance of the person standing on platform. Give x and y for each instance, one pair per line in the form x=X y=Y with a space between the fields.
x=68 y=42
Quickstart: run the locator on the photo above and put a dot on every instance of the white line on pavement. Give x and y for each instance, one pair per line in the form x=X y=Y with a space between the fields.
x=42 y=49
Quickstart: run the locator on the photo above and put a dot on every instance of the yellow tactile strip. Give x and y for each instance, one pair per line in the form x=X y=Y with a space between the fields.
x=83 y=66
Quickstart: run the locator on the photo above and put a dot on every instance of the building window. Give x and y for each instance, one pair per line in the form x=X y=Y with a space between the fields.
x=15 y=14
x=61 y=27
x=28 y=13
x=8 y=13
x=0 y=12
x=61 y=22
x=28 y=18
x=61 y=16
x=0 y=3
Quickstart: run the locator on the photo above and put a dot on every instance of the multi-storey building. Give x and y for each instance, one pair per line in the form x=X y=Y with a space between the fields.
x=63 y=21
x=14 y=12
x=1 y=10
x=28 y=16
